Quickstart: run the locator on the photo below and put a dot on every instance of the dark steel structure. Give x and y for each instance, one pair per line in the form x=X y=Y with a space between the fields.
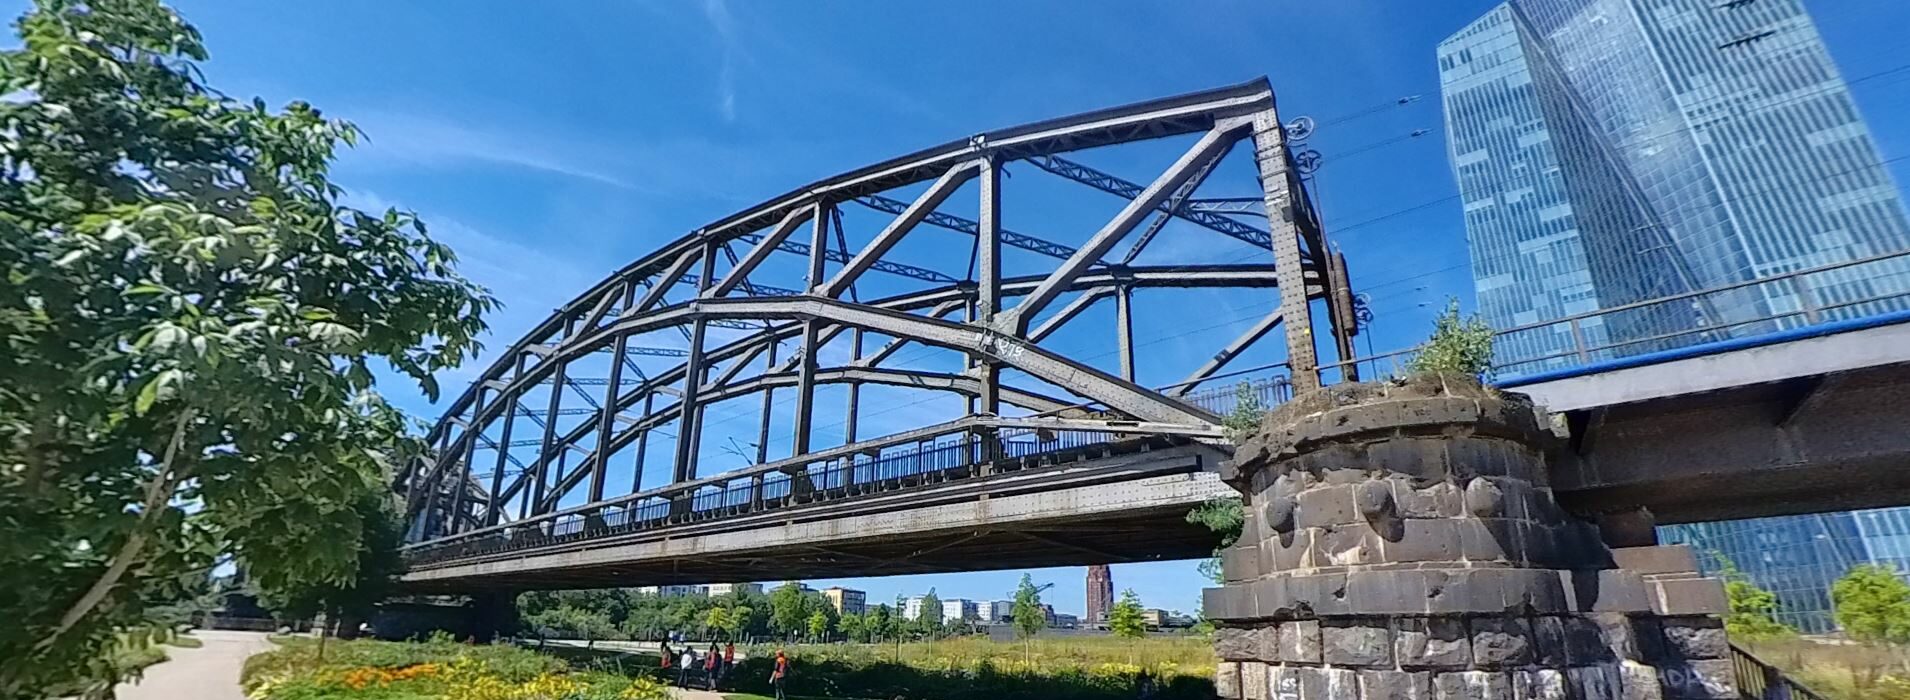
x=554 y=391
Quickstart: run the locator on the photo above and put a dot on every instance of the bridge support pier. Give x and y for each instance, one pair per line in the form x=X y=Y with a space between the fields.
x=1402 y=542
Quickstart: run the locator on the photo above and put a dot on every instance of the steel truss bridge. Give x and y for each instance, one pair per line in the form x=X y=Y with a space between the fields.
x=523 y=459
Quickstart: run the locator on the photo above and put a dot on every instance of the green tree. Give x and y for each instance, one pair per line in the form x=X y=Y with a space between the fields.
x=1225 y=516
x=854 y=627
x=1872 y=604
x=818 y=625
x=1459 y=345
x=190 y=321
x=788 y=612
x=1752 y=615
x=882 y=623
x=347 y=604
x=737 y=622
x=1246 y=415
x=929 y=623
x=717 y=619
x=1124 y=619
x=1027 y=613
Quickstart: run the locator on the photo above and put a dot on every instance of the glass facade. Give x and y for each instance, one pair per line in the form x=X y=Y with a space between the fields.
x=1610 y=152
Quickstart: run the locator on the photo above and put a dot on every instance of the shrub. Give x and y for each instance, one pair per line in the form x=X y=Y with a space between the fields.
x=1461 y=346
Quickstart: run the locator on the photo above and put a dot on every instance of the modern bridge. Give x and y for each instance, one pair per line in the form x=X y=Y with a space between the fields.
x=537 y=476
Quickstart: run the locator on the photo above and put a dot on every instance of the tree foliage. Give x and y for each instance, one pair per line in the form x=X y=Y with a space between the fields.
x=1460 y=345
x=818 y=624
x=1753 y=609
x=929 y=623
x=190 y=321
x=788 y=612
x=1872 y=604
x=1225 y=516
x=1029 y=618
x=1246 y=415
x=1124 y=619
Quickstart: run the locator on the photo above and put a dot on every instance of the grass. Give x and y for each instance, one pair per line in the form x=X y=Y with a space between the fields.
x=428 y=670
x=1841 y=671
x=1182 y=654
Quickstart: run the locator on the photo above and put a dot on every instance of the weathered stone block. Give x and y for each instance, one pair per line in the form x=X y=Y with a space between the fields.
x=1465 y=591
x=1287 y=551
x=1396 y=685
x=1240 y=562
x=1472 y=685
x=1533 y=590
x=1386 y=592
x=1695 y=638
x=1439 y=500
x=1324 y=506
x=1659 y=559
x=1501 y=641
x=1437 y=643
x=1693 y=596
x=1484 y=498
x=1488 y=539
x=1585 y=643
x=1271 y=599
x=1358 y=642
x=1227 y=680
x=1374 y=499
x=1548 y=636
x=1619 y=635
x=1639 y=681
x=1709 y=679
x=1423 y=540
x=1539 y=684
x=1620 y=591
x=1601 y=682
x=1328 y=683
x=1300 y=642
x=1347 y=545
x=1319 y=594
x=1235 y=643
x=1253 y=680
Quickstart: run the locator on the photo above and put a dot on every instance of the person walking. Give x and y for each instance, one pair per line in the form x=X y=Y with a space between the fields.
x=712 y=667
x=666 y=655
x=729 y=657
x=780 y=675
x=687 y=667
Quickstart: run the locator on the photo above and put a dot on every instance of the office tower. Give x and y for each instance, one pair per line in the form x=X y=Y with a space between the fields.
x=846 y=601
x=1100 y=593
x=1613 y=151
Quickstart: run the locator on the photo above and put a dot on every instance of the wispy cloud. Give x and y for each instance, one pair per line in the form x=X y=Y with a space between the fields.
x=718 y=14
x=429 y=141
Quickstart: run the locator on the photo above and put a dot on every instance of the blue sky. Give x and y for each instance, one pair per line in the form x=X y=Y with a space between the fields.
x=551 y=143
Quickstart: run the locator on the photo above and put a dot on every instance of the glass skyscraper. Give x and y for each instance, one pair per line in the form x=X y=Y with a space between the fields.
x=1615 y=151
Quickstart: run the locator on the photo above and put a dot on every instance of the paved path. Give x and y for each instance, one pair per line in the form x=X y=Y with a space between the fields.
x=210 y=672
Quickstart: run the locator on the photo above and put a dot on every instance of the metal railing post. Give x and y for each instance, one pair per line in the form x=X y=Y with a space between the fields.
x=1578 y=341
x=1806 y=298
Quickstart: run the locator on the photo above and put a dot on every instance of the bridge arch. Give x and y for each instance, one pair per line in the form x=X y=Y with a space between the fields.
x=539 y=393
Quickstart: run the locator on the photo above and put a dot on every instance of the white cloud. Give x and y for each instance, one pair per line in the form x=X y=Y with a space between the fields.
x=718 y=14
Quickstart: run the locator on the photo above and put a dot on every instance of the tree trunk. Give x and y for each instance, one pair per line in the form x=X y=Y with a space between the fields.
x=158 y=493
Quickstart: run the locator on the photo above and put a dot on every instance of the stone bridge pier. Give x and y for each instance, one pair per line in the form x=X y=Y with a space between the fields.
x=1402 y=542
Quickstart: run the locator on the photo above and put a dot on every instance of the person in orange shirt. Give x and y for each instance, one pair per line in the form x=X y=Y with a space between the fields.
x=781 y=675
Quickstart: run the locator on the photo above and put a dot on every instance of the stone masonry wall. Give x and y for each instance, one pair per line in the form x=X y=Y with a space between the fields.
x=1402 y=542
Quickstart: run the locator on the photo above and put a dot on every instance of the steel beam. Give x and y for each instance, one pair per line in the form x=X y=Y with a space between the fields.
x=1270 y=156
x=1215 y=141
x=959 y=224
x=1227 y=354
x=662 y=284
x=758 y=254
x=1117 y=186
x=1124 y=331
x=897 y=229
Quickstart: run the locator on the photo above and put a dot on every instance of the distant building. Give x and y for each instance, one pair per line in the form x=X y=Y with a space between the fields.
x=1001 y=611
x=718 y=589
x=1100 y=593
x=912 y=607
x=846 y=601
x=959 y=610
x=1066 y=621
x=675 y=591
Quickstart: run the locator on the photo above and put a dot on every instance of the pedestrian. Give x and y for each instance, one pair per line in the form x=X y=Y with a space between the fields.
x=667 y=657
x=688 y=667
x=780 y=675
x=729 y=657
x=712 y=666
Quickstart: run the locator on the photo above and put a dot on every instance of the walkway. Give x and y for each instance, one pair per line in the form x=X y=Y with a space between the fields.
x=210 y=672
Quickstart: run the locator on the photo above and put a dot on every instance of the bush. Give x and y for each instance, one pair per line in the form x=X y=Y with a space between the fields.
x=1458 y=346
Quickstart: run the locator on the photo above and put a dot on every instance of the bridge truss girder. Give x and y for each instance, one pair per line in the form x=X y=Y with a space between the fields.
x=992 y=336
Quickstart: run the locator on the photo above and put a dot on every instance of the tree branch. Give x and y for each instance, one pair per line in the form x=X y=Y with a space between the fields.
x=157 y=494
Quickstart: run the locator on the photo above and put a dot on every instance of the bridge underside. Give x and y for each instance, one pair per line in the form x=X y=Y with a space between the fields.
x=1115 y=508
x=1812 y=425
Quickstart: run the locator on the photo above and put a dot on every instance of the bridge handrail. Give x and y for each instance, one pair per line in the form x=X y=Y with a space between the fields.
x=1007 y=427
x=1810 y=311
x=1760 y=680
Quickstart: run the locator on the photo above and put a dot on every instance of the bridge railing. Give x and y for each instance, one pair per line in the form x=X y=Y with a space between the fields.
x=1844 y=291
x=909 y=461
x=1762 y=681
